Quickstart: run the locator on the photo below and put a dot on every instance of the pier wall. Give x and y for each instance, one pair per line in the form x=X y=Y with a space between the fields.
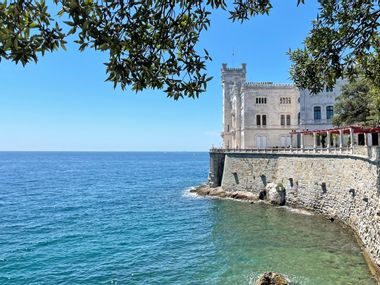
x=342 y=187
x=216 y=169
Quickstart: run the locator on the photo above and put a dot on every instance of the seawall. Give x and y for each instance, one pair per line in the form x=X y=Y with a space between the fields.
x=344 y=187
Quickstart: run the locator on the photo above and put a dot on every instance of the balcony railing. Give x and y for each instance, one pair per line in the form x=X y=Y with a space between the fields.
x=372 y=153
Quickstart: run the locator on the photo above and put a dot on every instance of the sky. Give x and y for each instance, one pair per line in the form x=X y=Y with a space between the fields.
x=63 y=103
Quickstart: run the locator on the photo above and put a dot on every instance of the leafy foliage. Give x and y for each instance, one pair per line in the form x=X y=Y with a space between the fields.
x=26 y=30
x=359 y=103
x=344 y=38
x=151 y=43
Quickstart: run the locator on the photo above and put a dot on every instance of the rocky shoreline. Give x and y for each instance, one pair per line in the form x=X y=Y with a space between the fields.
x=275 y=195
x=272 y=194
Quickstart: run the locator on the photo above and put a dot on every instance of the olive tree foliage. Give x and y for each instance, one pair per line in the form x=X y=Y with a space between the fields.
x=150 y=43
x=344 y=39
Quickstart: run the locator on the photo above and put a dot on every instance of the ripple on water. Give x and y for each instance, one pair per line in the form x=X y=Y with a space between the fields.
x=124 y=218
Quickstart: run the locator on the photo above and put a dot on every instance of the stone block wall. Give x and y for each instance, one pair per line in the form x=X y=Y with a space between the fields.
x=343 y=187
x=216 y=169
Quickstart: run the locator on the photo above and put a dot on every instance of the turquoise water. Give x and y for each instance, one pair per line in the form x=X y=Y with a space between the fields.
x=126 y=218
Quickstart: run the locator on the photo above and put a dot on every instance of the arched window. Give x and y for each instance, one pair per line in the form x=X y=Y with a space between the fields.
x=317 y=113
x=329 y=112
x=264 y=120
x=261 y=120
x=299 y=118
x=288 y=120
x=282 y=120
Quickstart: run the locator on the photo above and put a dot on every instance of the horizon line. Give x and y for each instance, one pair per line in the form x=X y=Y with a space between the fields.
x=104 y=150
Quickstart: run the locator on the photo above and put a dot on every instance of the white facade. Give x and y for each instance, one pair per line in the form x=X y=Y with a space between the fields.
x=316 y=111
x=262 y=115
x=257 y=115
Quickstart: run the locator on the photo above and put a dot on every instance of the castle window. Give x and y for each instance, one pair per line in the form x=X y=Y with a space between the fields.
x=288 y=120
x=299 y=118
x=282 y=120
x=285 y=100
x=317 y=113
x=258 y=120
x=329 y=112
x=261 y=100
x=264 y=120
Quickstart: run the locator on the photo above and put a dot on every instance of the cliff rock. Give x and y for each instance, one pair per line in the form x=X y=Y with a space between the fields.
x=271 y=278
x=276 y=193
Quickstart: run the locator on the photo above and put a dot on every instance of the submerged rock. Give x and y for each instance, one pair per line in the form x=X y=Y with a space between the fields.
x=276 y=193
x=271 y=278
x=263 y=194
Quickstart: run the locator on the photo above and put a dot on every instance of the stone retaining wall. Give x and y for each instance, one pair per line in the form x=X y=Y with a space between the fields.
x=343 y=187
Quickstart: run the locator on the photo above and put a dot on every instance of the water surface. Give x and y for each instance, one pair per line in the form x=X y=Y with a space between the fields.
x=126 y=218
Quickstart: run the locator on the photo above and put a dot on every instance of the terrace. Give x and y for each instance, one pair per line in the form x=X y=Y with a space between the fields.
x=348 y=141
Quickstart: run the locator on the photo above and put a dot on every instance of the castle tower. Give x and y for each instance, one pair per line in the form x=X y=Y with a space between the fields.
x=233 y=80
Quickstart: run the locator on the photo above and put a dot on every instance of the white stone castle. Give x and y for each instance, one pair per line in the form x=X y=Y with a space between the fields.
x=263 y=114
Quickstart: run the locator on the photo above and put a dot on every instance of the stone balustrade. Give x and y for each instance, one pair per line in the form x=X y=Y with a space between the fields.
x=372 y=153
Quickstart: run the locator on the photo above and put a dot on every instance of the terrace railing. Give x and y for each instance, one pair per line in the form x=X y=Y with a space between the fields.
x=372 y=153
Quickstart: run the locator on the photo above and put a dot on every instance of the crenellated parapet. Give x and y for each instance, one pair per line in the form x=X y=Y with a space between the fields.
x=270 y=85
x=234 y=75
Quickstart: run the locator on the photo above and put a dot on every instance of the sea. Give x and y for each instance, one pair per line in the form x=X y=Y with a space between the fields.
x=129 y=218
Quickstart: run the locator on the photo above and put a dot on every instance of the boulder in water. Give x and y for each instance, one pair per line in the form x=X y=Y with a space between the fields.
x=276 y=193
x=263 y=194
x=271 y=278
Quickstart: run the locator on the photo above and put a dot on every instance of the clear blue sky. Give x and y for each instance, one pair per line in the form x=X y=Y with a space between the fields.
x=63 y=103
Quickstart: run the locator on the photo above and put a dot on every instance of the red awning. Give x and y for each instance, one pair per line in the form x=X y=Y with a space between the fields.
x=346 y=130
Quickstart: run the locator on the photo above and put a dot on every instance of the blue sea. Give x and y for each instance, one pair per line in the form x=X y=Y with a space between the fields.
x=128 y=218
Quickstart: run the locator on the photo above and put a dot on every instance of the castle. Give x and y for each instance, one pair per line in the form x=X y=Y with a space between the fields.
x=278 y=135
x=263 y=114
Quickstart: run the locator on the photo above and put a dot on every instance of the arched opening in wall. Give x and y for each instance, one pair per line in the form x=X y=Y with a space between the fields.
x=236 y=177
x=291 y=182
x=264 y=179
x=324 y=188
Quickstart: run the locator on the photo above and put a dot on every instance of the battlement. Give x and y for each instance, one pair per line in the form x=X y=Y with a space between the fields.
x=243 y=68
x=269 y=85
